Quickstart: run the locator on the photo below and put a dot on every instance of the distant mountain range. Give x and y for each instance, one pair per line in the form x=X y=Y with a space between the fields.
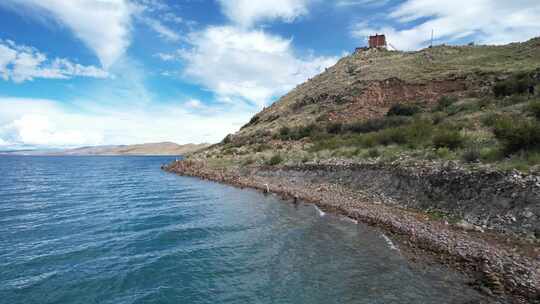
x=163 y=148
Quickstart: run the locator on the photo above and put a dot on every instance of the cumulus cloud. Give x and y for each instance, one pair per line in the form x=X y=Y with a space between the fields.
x=20 y=63
x=248 y=12
x=490 y=22
x=248 y=64
x=120 y=111
x=49 y=123
x=33 y=122
x=103 y=25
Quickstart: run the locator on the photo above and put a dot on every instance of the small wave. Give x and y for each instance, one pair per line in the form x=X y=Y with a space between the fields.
x=389 y=242
x=321 y=213
x=29 y=281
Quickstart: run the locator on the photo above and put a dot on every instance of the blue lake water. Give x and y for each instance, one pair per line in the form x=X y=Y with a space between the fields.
x=119 y=230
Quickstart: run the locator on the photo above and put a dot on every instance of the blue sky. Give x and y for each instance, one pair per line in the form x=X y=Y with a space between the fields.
x=94 y=72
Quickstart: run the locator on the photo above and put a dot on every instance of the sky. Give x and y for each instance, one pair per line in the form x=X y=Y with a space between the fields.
x=101 y=72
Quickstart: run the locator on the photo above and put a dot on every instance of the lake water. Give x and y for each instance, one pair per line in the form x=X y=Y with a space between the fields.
x=119 y=230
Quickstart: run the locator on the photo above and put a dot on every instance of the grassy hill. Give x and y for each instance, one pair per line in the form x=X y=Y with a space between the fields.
x=465 y=103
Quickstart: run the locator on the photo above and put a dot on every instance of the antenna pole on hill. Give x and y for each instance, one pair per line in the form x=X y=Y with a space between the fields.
x=432 y=31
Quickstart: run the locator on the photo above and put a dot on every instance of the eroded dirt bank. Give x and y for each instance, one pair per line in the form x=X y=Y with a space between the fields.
x=383 y=196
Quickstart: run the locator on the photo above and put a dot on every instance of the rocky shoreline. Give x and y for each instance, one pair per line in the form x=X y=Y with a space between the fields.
x=504 y=270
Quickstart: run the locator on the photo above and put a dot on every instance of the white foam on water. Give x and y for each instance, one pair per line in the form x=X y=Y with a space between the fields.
x=28 y=281
x=389 y=242
x=321 y=213
x=346 y=218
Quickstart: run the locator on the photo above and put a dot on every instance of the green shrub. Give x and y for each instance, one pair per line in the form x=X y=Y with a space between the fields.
x=248 y=161
x=490 y=119
x=534 y=108
x=418 y=132
x=438 y=117
x=262 y=147
x=274 y=160
x=483 y=102
x=390 y=136
x=517 y=84
x=286 y=133
x=521 y=161
x=403 y=110
x=517 y=134
x=471 y=155
x=463 y=107
x=444 y=102
x=501 y=89
x=229 y=151
x=515 y=99
x=533 y=158
x=368 y=140
x=443 y=152
x=253 y=121
x=334 y=128
x=304 y=131
x=373 y=153
x=373 y=125
x=490 y=154
x=227 y=139
x=412 y=134
x=450 y=139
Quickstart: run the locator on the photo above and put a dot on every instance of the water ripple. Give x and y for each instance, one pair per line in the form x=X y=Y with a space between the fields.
x=118 y=230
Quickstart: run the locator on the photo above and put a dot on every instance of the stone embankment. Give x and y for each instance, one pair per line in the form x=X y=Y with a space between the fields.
x=494 y=208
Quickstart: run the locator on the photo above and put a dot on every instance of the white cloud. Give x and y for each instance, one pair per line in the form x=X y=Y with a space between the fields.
x=103 y=25
x=37 y=129
x=490 y=22
x=165 y=56
x=251 y=65
x=348 y=3
x=248 y=12
x=163 y=31
x=160 y=17
x=35 y=122
x=152 y=5
x=194 y=103
x=120 y=111
x=7 y=56
x=172 y=18
x=48 y=123
x=21 y=63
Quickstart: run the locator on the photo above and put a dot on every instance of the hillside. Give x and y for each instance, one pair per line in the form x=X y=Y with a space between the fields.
x=440 y=147
x=441 y=103
x=365 y=84
x=164 y=148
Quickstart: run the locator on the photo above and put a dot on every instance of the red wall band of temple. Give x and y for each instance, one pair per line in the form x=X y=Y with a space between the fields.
x=377 y=41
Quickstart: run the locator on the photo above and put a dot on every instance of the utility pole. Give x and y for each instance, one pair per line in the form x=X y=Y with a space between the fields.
x=432 y=31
